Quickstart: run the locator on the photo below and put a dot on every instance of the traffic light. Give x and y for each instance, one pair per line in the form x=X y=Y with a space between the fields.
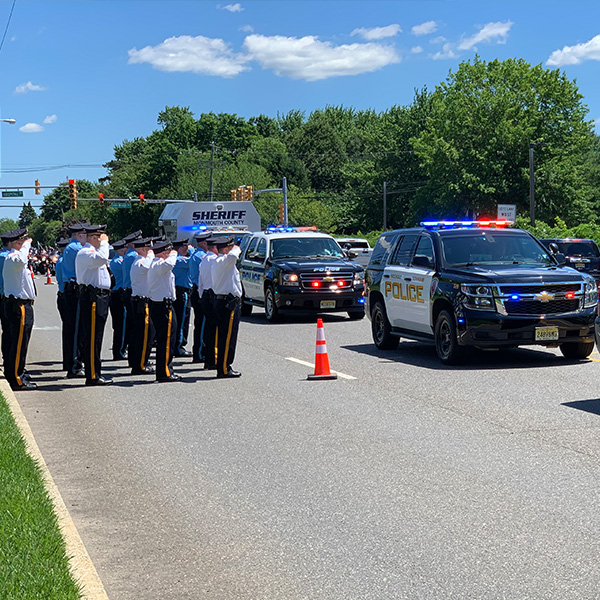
x=233 y=195
x=142 y=199
x=101 y=199
x=73 y=193
x=38 y=190
x=249 y=192
x=240 y=193
x=281 y=215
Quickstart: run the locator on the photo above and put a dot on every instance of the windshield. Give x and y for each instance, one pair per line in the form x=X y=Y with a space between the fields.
x=491 y=248
x=304 y=247
x=586 y=249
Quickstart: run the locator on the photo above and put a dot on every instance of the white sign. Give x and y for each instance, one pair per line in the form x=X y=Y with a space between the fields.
x=508 y=212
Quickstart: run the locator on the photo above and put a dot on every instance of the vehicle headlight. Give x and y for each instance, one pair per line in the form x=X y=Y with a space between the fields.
x=478 y=296
x=290 y=279
x=359 y=278
x=590 y=294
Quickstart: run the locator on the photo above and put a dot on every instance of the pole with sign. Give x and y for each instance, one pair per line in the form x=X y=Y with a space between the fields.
x=508 y=212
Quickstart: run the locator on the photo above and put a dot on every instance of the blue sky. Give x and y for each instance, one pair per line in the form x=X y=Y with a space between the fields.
x=80 y=76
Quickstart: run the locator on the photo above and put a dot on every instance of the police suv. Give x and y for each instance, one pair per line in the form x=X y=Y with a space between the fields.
x=299 y=269
x=476 y=284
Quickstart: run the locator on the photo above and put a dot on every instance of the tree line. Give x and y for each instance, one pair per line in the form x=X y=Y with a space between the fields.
x=459 y=150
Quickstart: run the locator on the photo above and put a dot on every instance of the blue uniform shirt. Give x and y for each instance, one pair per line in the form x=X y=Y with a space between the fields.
x=69 y=255
x=3 y=255
x=181 y=270
x=128 y=260
x=195 y=261
x=116 y=268
x=58 y=273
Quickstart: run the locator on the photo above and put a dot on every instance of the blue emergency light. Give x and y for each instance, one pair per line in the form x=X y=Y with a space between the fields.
x=465 y=224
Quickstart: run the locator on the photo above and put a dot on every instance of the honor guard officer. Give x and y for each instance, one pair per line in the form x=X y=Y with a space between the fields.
x=207 y=301
x=128 y=259
x=142 y=329
x=117 y=308
x=5 y=339
x=72 y=349
x=198 y=348
x=183 y=290
x=94 y=299
x=161 y=290
x=60 y=294
x=20 y=292
x=227 y=287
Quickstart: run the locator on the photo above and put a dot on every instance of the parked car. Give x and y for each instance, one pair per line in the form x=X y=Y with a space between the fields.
x=581 y=254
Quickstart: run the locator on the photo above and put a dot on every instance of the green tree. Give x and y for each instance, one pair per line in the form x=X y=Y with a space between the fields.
x=57 y=205
x=7 y=225
x=27 y=215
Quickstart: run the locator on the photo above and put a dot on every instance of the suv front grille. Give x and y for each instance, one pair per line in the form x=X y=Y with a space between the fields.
x=536 y=307
x=540 y=299
x=556 y=288
x=325 y=280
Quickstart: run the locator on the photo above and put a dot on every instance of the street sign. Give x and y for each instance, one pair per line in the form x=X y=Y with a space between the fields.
x=508 y=212
x=12 y=193
x=120 y=204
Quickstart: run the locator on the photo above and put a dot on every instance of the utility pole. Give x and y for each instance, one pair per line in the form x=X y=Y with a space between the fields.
x=384 y=205
x=531 y=187
x=212 y=165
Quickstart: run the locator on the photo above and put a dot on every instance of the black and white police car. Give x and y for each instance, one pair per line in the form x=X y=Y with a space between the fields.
x=299 y=269
x=478 y=284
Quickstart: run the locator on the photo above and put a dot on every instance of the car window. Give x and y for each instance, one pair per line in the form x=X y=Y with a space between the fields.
x=251 y=248
x=304 y=247
x=261 y=250
x=424 y=256
x=383 y=247
x=404 y=250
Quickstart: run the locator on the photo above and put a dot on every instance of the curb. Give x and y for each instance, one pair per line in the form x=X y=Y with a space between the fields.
x=81 y=565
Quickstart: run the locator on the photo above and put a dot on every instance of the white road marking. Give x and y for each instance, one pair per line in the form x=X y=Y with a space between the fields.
x=312 y=365
x=47 y=328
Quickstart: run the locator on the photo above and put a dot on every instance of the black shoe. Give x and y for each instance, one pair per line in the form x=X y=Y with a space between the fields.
x=26 y=376
x=27 y=385
x=147 y=371
x=100 y=381
x=230 y=374
x=183 y=354
x=173 y=377
x=210 y=367
x=76 y=374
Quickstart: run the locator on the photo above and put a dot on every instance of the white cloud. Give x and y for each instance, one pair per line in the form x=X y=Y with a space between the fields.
x=377 y=33
x=31 y=128
x=199 y=54
x=438 y=40
x=489 y=32
x=574 y=55
x=28 y=87
x=425 y=28
x=233 y=8
x=416 y=50
x=447 y=52
x=50 y=119
x=247 y=29
x=312 y=60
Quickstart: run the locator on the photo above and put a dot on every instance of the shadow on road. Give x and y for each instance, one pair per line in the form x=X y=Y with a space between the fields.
x=590 y=406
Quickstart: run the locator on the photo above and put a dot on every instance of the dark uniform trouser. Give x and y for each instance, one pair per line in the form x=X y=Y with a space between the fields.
x=62 y=311
x=118 y=314
x=165 y=324
x=125 y=294
x=209 y=341
x=199 y=348
x=227 y=310
x=94 y=305
x=19 y=318
x=182 y=312
x=142 y=334
x=5 y=339
x=72 y=342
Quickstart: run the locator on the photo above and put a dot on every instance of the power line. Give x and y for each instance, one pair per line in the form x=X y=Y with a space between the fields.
x=7 y=24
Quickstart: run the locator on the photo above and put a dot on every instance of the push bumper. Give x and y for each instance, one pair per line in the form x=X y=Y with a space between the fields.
x=301 y=300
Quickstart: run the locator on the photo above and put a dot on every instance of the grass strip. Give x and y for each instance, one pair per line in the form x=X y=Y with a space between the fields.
x=33 y=560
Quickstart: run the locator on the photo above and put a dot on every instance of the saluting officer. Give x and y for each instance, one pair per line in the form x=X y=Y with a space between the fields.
x=117 y=308
x=183 y=290
x=5 y=339
x=20 y=293
x=128 y=258
x=72 y=348
x=198 y=347
x=94 y=299
x=142 y=329
x=228 y=301
x=161 y=290
x=207 y=302
x=60 y=294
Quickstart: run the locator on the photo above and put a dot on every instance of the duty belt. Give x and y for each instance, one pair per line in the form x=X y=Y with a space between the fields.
x=92 y=288
x=22 y=300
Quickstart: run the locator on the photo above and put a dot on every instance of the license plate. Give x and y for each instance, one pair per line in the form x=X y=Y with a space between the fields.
x=544 y=334
x=579 y=265
x=327 y=304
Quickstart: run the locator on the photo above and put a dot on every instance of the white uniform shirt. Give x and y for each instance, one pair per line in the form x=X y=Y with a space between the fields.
x=91 y=266
x=18 y=280
x=205 y=273
x=225 y=276
x=139 y=275
x=161 y=281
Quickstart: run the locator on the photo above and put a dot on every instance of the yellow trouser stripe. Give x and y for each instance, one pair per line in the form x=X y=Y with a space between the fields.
x=216 y=345
x=168 y=343
x=93 y=342
x=227 y=341
x=145 y=344
x=19 y=345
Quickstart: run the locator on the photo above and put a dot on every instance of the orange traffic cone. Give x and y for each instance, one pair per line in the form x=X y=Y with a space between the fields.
x=48 y=277
x=322 y=370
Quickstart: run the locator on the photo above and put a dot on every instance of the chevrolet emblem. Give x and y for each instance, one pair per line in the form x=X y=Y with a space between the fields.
x=328 y=279
x=544 y=297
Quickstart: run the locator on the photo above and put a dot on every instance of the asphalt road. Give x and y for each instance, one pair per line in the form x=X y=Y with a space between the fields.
x=403 y=480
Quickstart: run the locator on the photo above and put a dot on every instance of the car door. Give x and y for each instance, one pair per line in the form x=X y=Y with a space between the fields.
x=253 y=269
x=417 y=279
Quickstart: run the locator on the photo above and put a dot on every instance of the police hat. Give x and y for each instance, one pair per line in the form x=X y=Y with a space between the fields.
x=94 y=229
x=77 y=227
x=223 y=241
x=133 y=236
x=162 y=246
x=14 y=235
x=63 y=242
x=180 y=243
x=119 y=244
x=202 y=236
x=142 y=242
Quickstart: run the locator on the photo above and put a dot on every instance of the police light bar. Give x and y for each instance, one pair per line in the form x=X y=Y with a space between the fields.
x=465 y=224
x=288 y=229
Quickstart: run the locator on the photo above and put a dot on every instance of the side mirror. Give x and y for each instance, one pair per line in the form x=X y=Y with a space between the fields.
x=351 y=254
x=560 y=258
x=553 y=248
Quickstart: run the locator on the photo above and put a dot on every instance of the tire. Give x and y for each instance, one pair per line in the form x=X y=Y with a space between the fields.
x=356 y=315
x=577 y=350
x=381 y=329
x=271 y=310
x=446 y=344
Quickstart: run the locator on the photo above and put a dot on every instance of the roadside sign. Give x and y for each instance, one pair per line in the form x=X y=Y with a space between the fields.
x=508 y=212
x=120 y=204
x=12 y=193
